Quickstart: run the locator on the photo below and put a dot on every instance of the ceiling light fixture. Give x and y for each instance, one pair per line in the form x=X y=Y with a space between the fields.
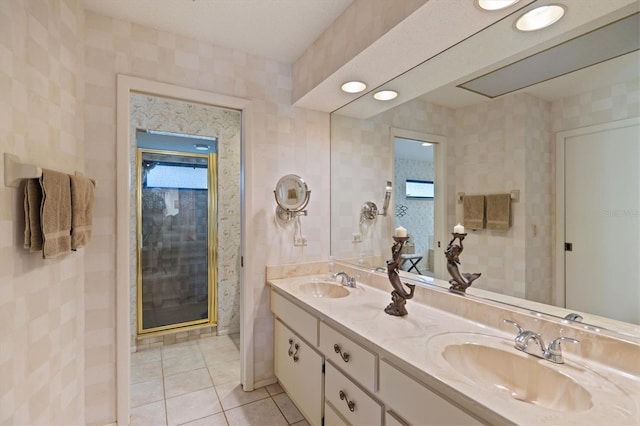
x=201 y=147
x=426 y=144
x=540 y=17
x=385 y=95
x=495 y=4
x=353 y=87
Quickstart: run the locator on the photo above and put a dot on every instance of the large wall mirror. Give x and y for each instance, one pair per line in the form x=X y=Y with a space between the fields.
x=522 y=135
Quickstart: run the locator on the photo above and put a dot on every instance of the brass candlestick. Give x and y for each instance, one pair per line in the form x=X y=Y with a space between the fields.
x=399 y=295
x=459 y=282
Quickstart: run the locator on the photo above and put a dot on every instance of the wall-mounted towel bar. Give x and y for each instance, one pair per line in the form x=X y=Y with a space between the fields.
x=15 y=171
x=515 y=195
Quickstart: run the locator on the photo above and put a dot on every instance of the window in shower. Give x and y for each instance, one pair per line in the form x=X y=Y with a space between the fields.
x=176 y=239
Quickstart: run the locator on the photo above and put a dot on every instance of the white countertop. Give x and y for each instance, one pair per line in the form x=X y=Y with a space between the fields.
x=417 y=340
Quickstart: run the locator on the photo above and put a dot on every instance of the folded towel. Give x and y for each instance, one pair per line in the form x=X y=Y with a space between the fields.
x=55 y=213
x=32 y=203
x=81 y=211
x=473 y=208
x=498 y=211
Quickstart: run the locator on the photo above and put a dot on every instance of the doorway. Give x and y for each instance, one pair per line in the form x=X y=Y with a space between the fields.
x=598 y=205
x=125 y=223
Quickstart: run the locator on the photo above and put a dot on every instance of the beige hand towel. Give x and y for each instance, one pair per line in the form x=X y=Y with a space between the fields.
x=81 y=211
x=473 y=207
x=498 y=211
x=32 y=203
x=55 y=213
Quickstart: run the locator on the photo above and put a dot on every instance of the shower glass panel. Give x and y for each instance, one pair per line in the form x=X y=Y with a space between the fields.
x=176 y=240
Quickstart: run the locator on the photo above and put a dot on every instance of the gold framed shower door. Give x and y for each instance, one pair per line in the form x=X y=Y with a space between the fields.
x=212 y=299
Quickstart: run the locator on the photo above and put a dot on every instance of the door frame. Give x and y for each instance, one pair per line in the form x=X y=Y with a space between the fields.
x=440 y=196
x=125 y=86
x=559 y=286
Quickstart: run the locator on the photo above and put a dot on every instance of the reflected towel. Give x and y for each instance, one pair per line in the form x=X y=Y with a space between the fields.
x=55 y=213
x=473 y=207
x=81 y=211
x=32 y=203
x=498 y=211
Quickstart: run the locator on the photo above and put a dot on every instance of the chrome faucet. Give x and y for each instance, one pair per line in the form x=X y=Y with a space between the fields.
x=553 y=353
x=345 y=279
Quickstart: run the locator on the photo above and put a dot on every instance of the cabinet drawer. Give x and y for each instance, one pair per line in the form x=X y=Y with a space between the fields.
x=331 y=418
x=416 y=403
x=303 y=323
x=391 y=420
x=366 y=411
x=352 y=358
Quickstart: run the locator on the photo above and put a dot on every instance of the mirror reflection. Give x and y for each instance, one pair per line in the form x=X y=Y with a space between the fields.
x=548 y=141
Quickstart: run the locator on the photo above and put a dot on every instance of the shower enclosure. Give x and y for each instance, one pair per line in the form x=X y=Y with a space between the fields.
x=176 y=235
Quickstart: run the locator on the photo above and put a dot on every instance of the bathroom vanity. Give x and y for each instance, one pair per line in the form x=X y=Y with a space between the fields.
x=451 y=360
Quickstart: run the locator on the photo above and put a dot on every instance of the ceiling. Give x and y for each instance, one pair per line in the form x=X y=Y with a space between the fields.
x=276 y=29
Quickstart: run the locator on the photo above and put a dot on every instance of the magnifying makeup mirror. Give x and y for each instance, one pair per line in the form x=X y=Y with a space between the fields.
x=292 y=196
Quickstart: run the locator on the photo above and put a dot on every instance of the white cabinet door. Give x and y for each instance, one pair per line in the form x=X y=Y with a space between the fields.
x=299 y=369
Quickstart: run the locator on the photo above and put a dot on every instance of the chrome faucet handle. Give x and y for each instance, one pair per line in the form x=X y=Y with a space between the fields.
x=515 y=324
x=573 y=317
x=554 y=351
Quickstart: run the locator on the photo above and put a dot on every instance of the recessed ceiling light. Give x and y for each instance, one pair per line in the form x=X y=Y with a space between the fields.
x=201 y=147
x=426 y=144
x=353 y=87
x=495 y=4
x=540 y=17
x=385 y=95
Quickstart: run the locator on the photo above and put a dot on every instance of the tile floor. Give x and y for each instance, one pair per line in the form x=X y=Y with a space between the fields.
x=198 y=383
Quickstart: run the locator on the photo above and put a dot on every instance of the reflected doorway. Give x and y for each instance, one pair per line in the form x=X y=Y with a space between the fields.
x=414 y=195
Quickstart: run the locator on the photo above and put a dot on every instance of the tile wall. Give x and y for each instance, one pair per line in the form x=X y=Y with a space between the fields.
x=41 y=301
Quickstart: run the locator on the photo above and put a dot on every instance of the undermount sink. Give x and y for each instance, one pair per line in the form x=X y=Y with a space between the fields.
x=521 y=376
x=323 y=289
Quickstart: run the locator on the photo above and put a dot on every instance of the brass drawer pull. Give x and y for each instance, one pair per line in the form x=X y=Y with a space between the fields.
x=344 y=356
x=295 y=355
x=350 y=404
x=290 y=352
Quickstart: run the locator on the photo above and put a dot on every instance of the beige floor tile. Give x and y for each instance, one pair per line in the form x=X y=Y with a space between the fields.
x=213 y=357
x=146 y=392
x=231 y=395
x=274 y=389
x=215 y=420
x=221 y=343
x=259 y=413
x=189 y=381
x=192 y=406
x=182 y=364
x=146 y=371
x=151 y=414
x=301 y=423
x=287 y=407
x=228 y=372
x=179 y=349
x=145 y=355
